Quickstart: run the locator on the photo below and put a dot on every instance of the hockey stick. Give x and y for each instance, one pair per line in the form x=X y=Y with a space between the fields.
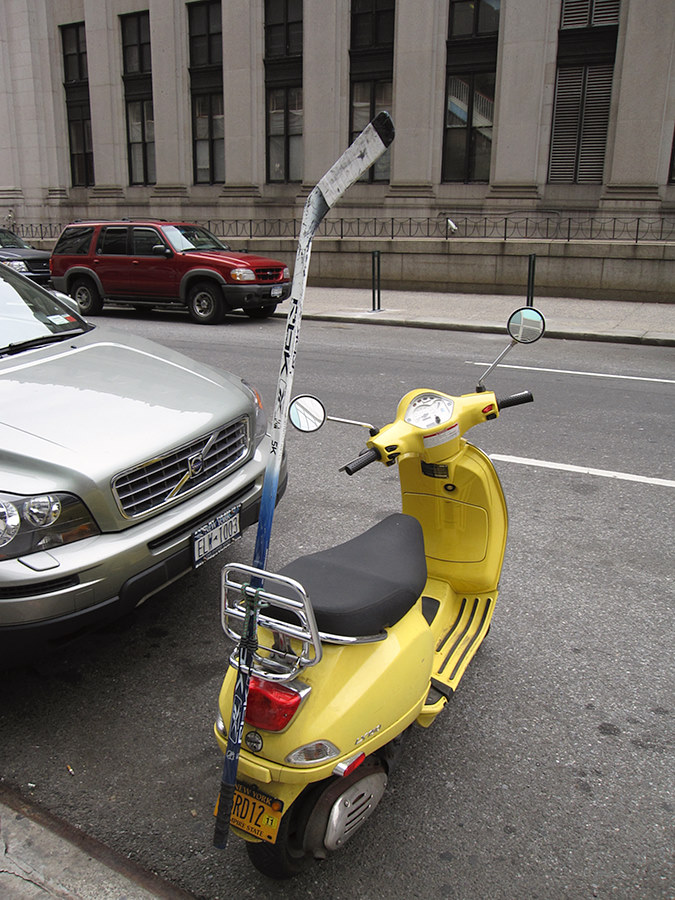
x=354 y=162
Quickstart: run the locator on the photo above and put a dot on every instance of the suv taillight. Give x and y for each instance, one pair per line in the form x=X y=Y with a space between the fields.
x=270 y=706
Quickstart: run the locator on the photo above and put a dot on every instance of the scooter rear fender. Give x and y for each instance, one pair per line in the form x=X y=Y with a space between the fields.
x=361 y=697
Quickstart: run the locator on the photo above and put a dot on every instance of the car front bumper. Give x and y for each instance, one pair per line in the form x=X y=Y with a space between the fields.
x=251 y=296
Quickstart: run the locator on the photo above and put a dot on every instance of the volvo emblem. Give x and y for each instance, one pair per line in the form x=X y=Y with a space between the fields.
x=195 y=465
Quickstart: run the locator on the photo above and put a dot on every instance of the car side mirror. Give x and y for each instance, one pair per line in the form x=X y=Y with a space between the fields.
x=161 y=250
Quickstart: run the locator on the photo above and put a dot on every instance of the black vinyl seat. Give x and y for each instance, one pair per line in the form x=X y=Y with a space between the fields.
x=368 y=583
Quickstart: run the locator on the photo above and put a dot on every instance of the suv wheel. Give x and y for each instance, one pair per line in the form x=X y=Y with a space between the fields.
x=85 y=292
x=205 y=304
x=260 y=312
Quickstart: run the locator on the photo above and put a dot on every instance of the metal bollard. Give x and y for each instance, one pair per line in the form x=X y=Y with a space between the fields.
x=530 y=279
x=377 y=296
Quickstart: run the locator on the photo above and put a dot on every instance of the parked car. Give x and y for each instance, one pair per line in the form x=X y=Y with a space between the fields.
x=157 y=263
x=15 y=252
x=123 y=465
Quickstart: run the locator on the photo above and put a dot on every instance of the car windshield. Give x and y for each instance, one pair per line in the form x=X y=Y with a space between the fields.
x=10 y=240
x=30 y=316
x=192 y=237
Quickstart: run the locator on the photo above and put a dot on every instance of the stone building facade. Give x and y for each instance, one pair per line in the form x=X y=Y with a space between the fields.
x=216 y=109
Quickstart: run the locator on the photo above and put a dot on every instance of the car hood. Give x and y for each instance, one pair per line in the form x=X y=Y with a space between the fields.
x=23 y=253
x=235 y=259
x=101 y=403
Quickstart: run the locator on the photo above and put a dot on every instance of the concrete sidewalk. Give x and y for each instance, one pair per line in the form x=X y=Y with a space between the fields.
x=42 y=857
x=593 y=320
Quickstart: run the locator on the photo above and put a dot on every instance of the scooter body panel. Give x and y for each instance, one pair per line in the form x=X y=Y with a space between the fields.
x=361 y=696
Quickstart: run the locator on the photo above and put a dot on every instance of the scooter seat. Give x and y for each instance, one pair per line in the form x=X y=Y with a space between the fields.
x=368 y=583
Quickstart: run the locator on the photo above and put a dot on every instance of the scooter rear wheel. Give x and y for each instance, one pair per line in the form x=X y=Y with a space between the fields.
x=287 y=856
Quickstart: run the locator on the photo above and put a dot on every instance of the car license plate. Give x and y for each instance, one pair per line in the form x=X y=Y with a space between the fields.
x=276 y=291
x=255 y=813
x=213 y=537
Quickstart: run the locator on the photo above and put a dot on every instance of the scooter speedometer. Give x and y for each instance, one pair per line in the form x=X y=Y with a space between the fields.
x=428 y=410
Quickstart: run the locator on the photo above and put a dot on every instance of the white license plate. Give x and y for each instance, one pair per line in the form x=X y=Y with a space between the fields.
x=213 y=537
x=276 y=291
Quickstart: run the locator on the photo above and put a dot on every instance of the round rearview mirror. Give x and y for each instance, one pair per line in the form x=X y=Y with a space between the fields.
x=307 y=413
x=526 y=325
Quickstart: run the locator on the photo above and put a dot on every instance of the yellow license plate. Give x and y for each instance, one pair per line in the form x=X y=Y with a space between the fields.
x=256 y=813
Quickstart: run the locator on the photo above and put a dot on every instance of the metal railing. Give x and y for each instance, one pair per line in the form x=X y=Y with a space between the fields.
x=473 y=226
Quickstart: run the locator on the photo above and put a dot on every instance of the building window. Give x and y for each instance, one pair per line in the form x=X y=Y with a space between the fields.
x=208 y=138
x=74 y=53
x=137 y=76
x=471 y=67
x=372 y=24
x=136 y=43
x=141 y=142
x=284 y=134
x=283 y=87
x=206 y=33
x=371 y=55
x=76 y=84
x=368 y=99
x=206 y=85
x=472 y=18
x=583 y=91
x=283 y=28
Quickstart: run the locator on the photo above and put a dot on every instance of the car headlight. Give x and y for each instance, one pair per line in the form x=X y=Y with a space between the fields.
x=260 y=418
x=29 y=524
x=17 y=264
x=242 y=274
x=287 y=274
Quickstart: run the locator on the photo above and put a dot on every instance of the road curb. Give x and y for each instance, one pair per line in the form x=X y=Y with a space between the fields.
x=376 y=318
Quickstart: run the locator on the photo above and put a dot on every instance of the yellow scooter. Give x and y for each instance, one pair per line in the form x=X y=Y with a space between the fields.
x=358 y=642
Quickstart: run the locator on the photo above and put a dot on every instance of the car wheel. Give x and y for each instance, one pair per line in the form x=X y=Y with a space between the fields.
x=205 y=304
x=85 y=292
x=260 y=312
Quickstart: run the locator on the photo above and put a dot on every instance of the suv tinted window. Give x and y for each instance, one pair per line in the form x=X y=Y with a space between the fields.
x=74 y=240
x=113 y=240
x=143 y=240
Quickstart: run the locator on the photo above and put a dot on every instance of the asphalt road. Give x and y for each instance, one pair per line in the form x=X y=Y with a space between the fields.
x=550 y=775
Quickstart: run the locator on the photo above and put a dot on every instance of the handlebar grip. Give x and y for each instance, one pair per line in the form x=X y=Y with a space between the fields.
x=365 y=459
x=515 y=399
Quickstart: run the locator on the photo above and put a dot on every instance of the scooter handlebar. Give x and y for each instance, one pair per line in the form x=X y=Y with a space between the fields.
x=515 y=399
x=364 y=459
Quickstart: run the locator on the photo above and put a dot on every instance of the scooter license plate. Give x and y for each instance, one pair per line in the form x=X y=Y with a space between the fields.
x=256 y=813
x=213 y=537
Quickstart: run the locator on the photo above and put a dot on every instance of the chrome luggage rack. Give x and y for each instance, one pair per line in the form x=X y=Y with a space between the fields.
x=278 y=662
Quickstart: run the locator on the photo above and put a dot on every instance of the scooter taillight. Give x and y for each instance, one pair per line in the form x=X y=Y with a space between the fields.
x=270 y=706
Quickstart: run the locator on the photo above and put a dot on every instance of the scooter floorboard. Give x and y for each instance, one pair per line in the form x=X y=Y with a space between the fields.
x=459 y=637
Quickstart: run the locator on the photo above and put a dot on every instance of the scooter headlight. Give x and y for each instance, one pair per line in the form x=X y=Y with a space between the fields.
x=312 y=754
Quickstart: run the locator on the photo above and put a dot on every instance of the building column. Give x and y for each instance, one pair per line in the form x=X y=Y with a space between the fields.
x=244 y=103
x=419 y=92
x=638 y=152
x=325 y=85
x=171 y=98
x=106 y=101
x=528 y=37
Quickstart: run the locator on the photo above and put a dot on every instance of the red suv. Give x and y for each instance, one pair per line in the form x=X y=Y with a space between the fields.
x=157 y=263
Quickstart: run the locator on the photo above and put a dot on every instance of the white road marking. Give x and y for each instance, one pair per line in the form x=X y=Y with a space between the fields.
x=572 y=372
x=584 y=470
